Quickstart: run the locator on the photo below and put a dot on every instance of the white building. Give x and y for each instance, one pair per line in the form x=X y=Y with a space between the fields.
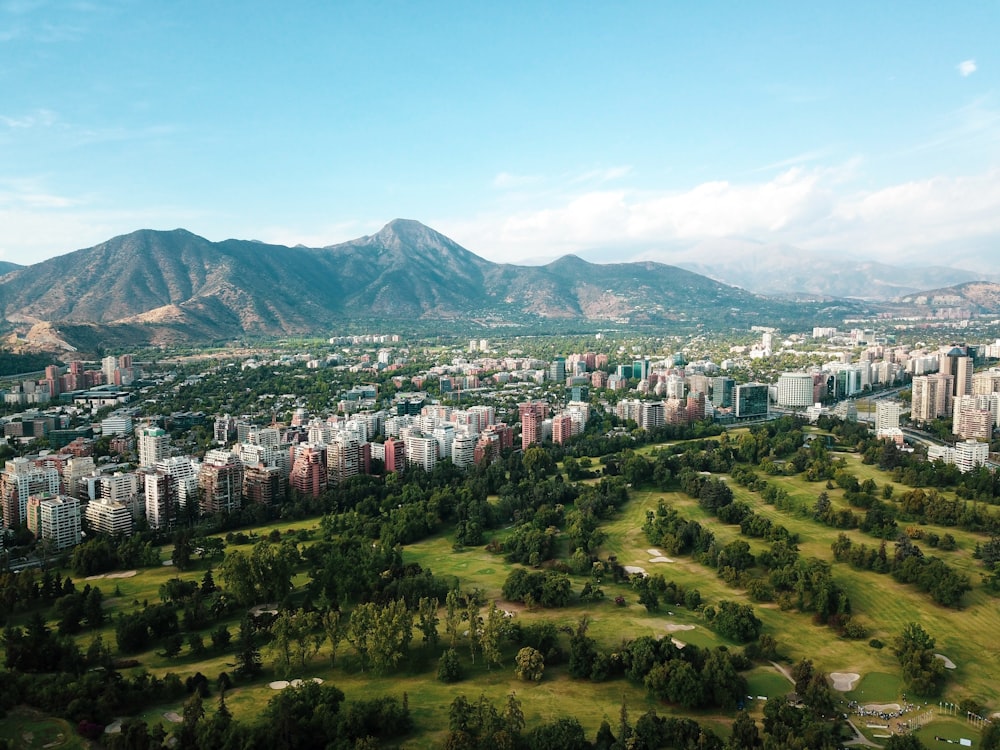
x=183 y=472
x=463 y=450
x=966 y=455
x=117 y=423
x=421 y=451
x=73 y=473
x=113 y=519
x=20 y=480
x=887 y=414
x=154 y=445
x=795 y=390
x=56 y=519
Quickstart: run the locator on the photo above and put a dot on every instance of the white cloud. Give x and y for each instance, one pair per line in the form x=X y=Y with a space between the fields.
x=939 y=220
x=40 y=118
x=966 y=68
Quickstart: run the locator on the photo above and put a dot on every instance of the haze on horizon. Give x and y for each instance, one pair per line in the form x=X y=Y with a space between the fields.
x=523 y=132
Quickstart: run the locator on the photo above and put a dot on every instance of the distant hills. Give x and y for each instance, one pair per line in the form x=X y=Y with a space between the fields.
x=787 y=270
x=169 y=286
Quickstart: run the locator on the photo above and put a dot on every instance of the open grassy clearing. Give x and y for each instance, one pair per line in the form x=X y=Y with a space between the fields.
x=429 y=699
x=965 y=636
x=27 y=728
x=885 y=606
x=767 y=681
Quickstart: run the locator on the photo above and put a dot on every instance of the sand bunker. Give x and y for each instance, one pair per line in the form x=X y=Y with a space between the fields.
x=173 y=716
x=844 y=681
x=262 y=609
x=124 y=574
x=654 y=552
x=95 y=578
x=948 y=663
x=881 y=707
x=115 y=727
x=167 y=563
x=661 y=559
x=679 y=644
x=282 y=684
x=633 y=569
x=673 y=627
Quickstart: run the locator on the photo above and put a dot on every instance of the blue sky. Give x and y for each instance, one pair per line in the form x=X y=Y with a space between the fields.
x=524 y=131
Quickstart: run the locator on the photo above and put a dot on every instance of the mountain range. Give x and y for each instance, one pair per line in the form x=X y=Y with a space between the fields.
x=168 y=286
x=787 y=270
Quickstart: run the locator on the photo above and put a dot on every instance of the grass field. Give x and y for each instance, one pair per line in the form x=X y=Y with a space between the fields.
x=966 y=636
x=27 y=728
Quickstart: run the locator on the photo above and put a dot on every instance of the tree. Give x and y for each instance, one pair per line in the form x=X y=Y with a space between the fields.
x=452 y=617
x=537 y=462
x=335 y=627
x=172 y=645
x=449 y=666
x=248 y=660
x=923 y=672
x=427 y=621
x=745 y=735
x=494 y=628
x=530 y=664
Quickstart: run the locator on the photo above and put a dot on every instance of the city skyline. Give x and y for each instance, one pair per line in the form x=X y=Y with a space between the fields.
x=523 y=132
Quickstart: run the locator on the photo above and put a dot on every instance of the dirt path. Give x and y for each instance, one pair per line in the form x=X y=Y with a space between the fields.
x=859 y=739
x=784 y=671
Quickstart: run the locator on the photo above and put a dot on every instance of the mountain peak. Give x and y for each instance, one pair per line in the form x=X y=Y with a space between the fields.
x=409 y=232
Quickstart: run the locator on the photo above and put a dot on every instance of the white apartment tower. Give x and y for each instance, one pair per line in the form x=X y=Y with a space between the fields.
x=154 y=445
x=795 y=390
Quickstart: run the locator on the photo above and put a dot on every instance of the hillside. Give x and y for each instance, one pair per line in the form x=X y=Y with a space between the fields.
x=976 y=296
x=788 y=270
x=174 y=285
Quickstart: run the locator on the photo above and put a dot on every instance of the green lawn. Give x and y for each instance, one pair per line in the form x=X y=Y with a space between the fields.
x=27 y=728
x=966 y=636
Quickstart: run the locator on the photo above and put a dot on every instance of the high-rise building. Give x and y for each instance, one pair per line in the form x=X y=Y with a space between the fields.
x=113 y=519
x=343 y=458
x=960 y=366
x=974 y=417
x=20 y=480
x=74 y=471
x=931 y=397
x=154 y=445
x=56 y=519
x=395 y=455
x=251 y=454
x=125 y=488
x=562 y=428
x=722 y=391
x=308 y=473
x=421 y=451
x=264 y=485
x=463 y=450
x=795 y=390
x=984 y=383
x=652 y=414
x=887 y=413
x=183 y=472
x=965 y=455
x=750 y=400
x=531 y=414
x=557 y=370
x=159 y=498
x=221 y=482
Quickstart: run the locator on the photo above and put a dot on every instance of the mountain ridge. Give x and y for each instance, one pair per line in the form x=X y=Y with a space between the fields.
x=177 y=285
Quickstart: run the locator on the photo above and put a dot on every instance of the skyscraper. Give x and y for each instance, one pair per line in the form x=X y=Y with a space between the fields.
x=154 y=444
